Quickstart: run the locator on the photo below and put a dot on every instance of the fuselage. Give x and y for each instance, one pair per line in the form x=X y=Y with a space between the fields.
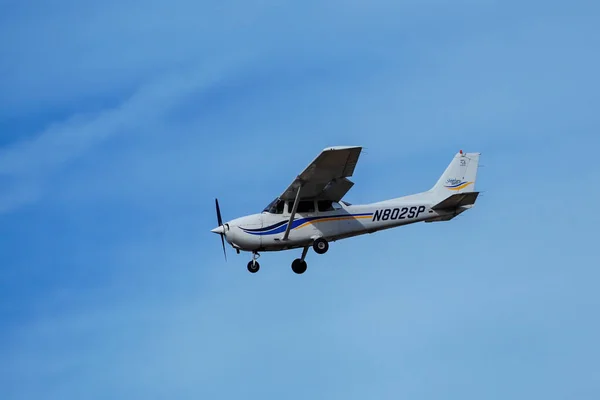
x=265 y=231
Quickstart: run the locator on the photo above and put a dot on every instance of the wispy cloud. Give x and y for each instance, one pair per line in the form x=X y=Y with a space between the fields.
x=25 y=163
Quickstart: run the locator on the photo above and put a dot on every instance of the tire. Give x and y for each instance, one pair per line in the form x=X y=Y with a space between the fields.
x=320 y=246
x=299 y=266
x=253 y=266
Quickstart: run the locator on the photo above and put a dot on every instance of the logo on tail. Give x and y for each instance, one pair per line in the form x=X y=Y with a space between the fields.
x=456 y=184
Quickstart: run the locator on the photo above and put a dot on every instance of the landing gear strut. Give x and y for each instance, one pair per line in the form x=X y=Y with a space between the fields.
x=254 y=266
x=299 y=265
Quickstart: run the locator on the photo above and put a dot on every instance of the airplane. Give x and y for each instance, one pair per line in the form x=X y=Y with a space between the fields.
x=311 y=212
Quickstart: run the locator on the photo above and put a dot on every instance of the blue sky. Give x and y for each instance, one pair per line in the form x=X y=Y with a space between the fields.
x=121 y=121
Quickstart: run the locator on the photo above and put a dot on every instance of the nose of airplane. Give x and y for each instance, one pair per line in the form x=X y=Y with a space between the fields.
x=219 y=230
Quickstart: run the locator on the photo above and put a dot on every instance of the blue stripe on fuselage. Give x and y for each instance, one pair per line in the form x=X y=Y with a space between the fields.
x=282 y=226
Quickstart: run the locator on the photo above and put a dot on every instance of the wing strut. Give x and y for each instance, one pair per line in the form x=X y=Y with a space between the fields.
x=292 y=214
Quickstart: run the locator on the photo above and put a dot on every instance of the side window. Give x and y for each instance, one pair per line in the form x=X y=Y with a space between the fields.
x=306 y=206
x=280 y=206
x=325 y=205
x=336 y=206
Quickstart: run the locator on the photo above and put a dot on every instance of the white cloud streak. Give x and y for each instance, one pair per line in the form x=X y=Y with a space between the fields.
x=28 y=162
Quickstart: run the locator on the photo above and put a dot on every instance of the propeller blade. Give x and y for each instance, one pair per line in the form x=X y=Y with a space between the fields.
x=223 y=243
x=220 y=222
x=219 y=219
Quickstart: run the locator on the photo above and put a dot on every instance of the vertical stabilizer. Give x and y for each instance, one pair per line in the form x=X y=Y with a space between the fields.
x=459 y=177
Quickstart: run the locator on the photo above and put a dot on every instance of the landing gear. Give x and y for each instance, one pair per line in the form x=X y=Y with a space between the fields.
x=320 y=246
x=254 y=266
x=299 y=265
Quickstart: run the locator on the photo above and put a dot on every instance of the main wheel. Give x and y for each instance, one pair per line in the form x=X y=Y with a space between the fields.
x=320 y=246
x=253 y=266
x=299 y=266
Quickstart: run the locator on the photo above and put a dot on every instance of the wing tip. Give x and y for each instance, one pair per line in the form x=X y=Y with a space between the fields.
x=334 y=148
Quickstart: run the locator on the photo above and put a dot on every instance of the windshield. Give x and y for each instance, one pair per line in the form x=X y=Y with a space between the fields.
x=268 y=207
x=275 y=207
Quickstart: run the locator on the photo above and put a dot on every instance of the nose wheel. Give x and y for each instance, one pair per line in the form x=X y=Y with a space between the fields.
x=253 y=265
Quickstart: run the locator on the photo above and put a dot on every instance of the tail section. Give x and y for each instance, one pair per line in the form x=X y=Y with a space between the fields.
x=459 y=177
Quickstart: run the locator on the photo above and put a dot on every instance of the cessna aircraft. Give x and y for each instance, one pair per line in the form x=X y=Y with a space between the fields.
x=311 y=213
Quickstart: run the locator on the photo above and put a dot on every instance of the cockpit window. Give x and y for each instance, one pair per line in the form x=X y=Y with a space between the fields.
x=275 y=207
x=304 y=206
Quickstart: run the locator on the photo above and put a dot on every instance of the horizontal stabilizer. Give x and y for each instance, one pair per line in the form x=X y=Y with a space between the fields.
x=457 y=200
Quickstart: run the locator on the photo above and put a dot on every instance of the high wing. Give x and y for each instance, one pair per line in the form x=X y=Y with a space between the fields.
x=326 y=177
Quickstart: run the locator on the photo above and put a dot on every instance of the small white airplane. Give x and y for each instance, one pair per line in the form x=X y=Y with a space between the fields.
x=310 y=212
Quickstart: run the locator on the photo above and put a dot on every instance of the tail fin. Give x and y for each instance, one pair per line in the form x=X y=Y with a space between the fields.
x=459 y=177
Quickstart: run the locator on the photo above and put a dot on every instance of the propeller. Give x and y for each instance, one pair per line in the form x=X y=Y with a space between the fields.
x=220 y=222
